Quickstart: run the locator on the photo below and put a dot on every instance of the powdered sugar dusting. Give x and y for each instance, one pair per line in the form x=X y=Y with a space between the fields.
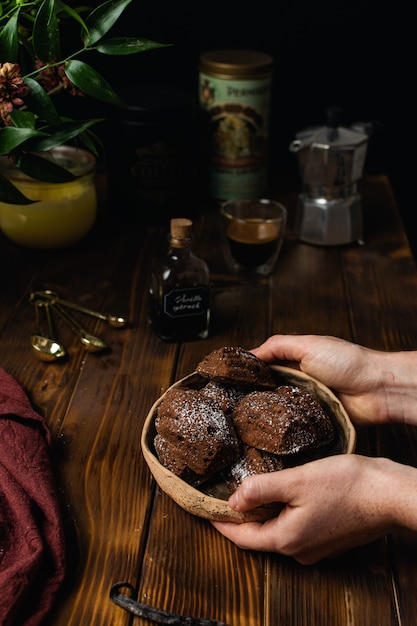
x=236 y=429
x=196 y=417
x=284 y=421
x=198 y=431
x=240 y=470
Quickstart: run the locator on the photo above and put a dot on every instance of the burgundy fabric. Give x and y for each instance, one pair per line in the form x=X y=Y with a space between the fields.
x=32 y=545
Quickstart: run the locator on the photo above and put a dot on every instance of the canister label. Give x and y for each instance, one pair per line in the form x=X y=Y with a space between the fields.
x=237 y=114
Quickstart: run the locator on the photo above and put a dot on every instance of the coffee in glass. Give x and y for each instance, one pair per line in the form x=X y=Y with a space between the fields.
x=253 y=231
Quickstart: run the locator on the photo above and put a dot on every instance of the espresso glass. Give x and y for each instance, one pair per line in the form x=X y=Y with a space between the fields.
x=253 y=232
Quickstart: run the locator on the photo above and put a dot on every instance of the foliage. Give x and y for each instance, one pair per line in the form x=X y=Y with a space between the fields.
x=36 y=65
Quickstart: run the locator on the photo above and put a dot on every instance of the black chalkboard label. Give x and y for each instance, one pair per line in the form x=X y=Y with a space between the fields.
x=187 y=302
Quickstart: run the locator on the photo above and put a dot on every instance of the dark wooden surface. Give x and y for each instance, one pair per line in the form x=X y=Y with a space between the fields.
x=119 y=526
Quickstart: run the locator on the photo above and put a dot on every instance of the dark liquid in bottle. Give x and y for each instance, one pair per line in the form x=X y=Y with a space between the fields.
x=177 y=330
x=173 y=324
x=252 y=243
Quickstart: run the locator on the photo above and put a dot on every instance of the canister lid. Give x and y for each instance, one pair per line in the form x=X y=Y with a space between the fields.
x=145 y=104
x=236 y=63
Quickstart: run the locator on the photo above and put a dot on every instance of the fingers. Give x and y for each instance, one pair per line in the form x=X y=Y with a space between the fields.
x=298 y=348
x=248 y=536
x=259 y=490
x=282 y=348
x=269 y=537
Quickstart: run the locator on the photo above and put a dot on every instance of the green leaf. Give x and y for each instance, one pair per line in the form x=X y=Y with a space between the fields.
x=23 y=119
x=59 y=137
x=10 y=194
x=46 y=39
x=118 y=46
x=91 y=82
x=9 y=42
x=25 y=46
x=40 y=103
x=11 y=137
x=42 y=169
x=101 y=19
x=90 y=141
x=76 y=16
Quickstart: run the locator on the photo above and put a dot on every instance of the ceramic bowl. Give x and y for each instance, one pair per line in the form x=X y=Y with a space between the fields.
x=209 y=500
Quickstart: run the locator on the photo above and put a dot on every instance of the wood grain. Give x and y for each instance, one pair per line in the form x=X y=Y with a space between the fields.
x=119 y=525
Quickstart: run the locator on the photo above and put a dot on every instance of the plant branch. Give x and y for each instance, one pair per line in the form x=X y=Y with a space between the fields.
x=48 y=66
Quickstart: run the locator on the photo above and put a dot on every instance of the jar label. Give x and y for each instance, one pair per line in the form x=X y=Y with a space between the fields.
x=157 y=172
x=186 y=302
x=238 y=128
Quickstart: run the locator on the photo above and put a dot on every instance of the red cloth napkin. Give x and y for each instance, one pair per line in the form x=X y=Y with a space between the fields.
x=32 y=545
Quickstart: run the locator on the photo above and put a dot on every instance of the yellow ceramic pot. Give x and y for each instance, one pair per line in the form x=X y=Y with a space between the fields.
x=64 y=212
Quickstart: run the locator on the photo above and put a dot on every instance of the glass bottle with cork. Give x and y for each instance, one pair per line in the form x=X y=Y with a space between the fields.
x=179 y=294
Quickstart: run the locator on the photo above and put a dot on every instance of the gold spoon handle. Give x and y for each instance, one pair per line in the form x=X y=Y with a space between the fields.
x=44 y=305
x=74 y=325
x=114 y=320
x=90 y=342
x=49 y=319
x=38 y=304
x=44 y=345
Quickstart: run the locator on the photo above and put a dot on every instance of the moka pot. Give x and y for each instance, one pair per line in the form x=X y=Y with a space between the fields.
x=331 y=160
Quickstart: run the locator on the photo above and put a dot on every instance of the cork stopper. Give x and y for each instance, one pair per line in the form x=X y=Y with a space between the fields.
x=181 y=231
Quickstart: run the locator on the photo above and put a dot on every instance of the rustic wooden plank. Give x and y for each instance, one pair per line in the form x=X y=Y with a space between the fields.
x=185 y=548
x=101 y=439
x=311 y=297
x=119 y=527
x=97 y=426
x=308 y=292
x=19 y=266
x=66 y=272
x=399 y=442
x=403 y=552
x=381 y=276
x=191 y=569
x=313 y=265
x=350 y=589
x=239 y=317
x=381 y=281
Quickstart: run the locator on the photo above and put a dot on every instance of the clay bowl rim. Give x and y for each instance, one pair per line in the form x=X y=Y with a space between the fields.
x=200 y=504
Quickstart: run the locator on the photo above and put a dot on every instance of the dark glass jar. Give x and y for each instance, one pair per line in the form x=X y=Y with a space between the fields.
x=152 y=150
x=179 y=291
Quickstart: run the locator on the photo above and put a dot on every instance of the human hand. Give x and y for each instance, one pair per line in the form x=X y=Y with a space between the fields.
x=330 y=506
x=374 y=386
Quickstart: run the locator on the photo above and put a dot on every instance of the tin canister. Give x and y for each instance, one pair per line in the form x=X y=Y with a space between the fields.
x=234 y=97
x=151 y=154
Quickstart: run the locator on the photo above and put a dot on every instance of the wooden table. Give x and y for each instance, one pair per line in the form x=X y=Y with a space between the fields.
x=120 y=527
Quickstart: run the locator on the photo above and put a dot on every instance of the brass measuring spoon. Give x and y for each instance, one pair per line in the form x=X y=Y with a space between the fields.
x=114 y=320
x=45 y=347
x=89 y=341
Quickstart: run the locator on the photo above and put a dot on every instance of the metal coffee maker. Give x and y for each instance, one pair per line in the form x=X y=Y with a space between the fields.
x=331 y=160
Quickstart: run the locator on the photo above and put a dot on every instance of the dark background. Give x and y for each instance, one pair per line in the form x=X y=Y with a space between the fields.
x=355 y=55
